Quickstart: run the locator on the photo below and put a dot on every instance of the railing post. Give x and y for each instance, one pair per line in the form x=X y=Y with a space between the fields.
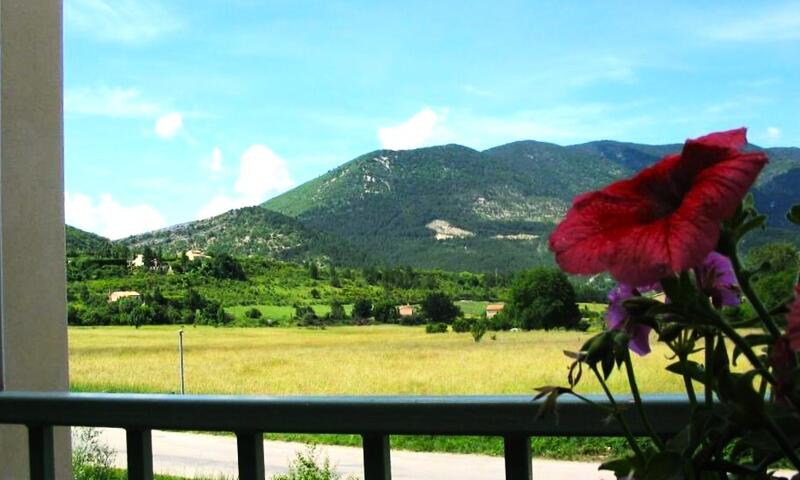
x=518 y=457
x=377 y=457
x=41 y=453
x=140 y=454
x=250 y=447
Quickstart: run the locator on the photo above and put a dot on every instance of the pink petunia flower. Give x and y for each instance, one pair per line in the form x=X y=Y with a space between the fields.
x=665 y=219
x=617 y=316
x=716 y=279
x=793 y=324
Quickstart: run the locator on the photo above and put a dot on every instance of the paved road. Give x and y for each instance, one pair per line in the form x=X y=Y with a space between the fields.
x=188 y=455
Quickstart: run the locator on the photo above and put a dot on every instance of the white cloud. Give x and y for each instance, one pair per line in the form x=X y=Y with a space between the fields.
x=216 y=160
x=220 y=204
x=262 y=175
x=480 y=92
x=763 y=24
x=109 y=218
x=109 y=102
x=412 y=133
x=564 y=124
x=167 y=126
x=122 y=21
x=773 y=133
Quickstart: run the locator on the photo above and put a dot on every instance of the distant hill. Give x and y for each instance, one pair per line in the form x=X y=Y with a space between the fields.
x=448 y=207
x=80 y=242
x=249 y=231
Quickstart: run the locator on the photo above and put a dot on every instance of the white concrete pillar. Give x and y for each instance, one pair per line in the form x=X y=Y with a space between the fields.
x=33 y=329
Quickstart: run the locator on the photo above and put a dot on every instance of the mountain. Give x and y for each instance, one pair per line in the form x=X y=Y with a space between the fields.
x=81 y=242
x=448 y=207
x=249 y=231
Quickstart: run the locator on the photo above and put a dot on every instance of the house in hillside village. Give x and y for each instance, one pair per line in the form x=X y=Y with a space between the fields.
x=138 y=261
x=405 y=310
x=195 y=254
x=493 y=309
x=114 y=296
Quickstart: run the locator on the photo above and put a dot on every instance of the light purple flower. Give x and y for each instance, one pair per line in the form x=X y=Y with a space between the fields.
x=617 y=316
x=715 y=278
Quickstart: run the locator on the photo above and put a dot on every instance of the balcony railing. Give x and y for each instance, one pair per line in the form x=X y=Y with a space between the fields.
x=514 y=418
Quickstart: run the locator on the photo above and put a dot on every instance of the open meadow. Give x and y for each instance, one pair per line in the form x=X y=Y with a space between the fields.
x=337 y=360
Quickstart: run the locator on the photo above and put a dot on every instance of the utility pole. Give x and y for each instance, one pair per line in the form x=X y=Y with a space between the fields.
x=180 y=352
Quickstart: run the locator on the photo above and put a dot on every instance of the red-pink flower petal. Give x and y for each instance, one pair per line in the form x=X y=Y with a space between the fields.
x=793 y=324
x=665 y=219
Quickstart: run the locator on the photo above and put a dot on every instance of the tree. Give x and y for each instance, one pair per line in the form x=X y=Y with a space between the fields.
x=337 y=311
x=224 y=266
x=543 y=298
x=193 y=300
x=362 y=309
x=313 y=270
x=222 y=317
x=149 y=257
x=478 y=329
x=385 y=312
x=775 y=284
x=439 y=308
x=335 y=282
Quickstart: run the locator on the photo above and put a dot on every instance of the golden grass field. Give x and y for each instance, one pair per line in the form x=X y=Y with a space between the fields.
x=337 y=360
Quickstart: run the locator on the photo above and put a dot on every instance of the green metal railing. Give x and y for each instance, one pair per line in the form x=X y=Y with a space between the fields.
x=514 y=418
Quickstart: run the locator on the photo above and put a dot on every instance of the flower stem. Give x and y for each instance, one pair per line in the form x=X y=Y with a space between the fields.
x=638 y=401
x=747 y=288
x=747 y=351
x=618 y=415
x=709 y=355
x=687 y=381
x=786 y=446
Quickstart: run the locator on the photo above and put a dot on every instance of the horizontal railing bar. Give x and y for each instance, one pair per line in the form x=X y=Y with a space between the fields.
x=424 y=415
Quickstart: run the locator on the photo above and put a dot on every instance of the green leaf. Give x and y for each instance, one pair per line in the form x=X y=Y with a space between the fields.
x=608 y=366
x=694 y=370
x=670 y=333
x=754 y=340
x=756 y=222
x=622 y=467
x=665 y=465
x=794 y=214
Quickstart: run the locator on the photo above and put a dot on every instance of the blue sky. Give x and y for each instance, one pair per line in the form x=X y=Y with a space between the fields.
x=176 y=110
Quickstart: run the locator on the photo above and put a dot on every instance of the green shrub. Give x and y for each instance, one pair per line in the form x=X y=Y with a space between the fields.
x=542 y=298
x=362 y=309
x=438 y=307
x=91 y=459
x=436 y=328
x=253 y=313
x=462 y=325
x=307 y=466
x=410 y=320
x=385 y=312
x=478 y=329
x=501 y=321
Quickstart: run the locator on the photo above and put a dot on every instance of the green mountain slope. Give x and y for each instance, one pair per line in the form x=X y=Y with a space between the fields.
x=81 y=242
x=450 y=207
x=249 y=231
